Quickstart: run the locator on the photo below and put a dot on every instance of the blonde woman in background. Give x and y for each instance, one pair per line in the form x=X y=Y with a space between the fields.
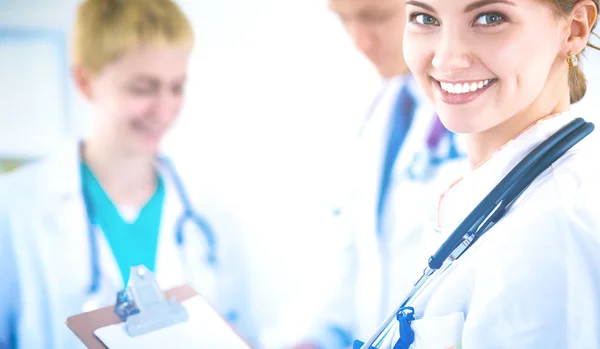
x=78 y=220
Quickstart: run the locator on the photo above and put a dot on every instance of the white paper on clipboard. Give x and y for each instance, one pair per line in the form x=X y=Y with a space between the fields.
x=205 y=328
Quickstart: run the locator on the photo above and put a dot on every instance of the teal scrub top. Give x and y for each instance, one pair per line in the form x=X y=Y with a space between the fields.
x=134 y=242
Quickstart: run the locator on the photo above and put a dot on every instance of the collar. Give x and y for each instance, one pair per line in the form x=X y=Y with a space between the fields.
x=60 y=173
x=466 y=193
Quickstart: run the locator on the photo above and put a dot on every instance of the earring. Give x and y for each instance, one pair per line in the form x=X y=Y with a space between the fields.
x=572 y=60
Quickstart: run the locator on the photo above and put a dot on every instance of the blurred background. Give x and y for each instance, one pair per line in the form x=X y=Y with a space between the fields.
x=276 y=93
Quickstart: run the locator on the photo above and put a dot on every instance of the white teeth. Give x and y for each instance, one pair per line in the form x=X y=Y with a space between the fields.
x=464 y=87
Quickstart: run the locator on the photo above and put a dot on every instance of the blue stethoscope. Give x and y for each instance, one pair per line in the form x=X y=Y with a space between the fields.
x=489 y=211
x=189 y=214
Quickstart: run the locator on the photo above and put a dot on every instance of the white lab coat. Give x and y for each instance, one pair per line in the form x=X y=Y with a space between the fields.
x=45 y=256
x=533 y=280
x=368 y=271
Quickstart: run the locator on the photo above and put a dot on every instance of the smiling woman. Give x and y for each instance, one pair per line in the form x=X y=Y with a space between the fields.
x=505 y=73
x=503 y=59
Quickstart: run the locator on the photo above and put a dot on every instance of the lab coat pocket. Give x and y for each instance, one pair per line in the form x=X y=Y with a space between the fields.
x=439 y=332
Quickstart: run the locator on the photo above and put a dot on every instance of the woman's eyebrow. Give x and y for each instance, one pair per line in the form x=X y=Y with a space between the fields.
x=471 y=7
x=477 y=4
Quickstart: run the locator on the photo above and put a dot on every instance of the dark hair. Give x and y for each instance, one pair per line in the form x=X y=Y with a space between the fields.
x=577 y=81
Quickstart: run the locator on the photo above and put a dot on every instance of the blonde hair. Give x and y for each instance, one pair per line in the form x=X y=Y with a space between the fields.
x=105 y=29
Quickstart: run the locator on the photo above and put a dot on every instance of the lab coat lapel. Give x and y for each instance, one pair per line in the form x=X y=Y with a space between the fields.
x=400 y=209
x=374 y=144
x=65 y=211
x=372 y=147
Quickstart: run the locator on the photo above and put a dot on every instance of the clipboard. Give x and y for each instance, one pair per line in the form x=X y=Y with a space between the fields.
x=157 y=317
x=84 y=325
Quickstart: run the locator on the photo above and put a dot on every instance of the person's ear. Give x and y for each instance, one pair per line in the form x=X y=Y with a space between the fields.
x=83 y=81
x=580 y=24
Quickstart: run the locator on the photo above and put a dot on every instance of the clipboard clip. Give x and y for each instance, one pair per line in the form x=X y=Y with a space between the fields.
x=143 y=307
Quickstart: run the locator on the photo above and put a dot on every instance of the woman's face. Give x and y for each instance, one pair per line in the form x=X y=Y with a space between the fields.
x=139 y=96
x=482 y=62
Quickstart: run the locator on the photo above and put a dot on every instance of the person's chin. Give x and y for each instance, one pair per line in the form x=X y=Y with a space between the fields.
x=459 y=120
x=145 y=146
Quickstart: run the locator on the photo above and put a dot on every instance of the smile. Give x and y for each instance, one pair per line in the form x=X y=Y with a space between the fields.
x=464 y=87
x=462 y=92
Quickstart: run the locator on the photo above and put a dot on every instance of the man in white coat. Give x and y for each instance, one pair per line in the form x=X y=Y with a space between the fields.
x=404 y=159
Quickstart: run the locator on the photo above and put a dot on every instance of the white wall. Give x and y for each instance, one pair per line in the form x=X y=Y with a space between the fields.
x=32 y=80
x=277 y=102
